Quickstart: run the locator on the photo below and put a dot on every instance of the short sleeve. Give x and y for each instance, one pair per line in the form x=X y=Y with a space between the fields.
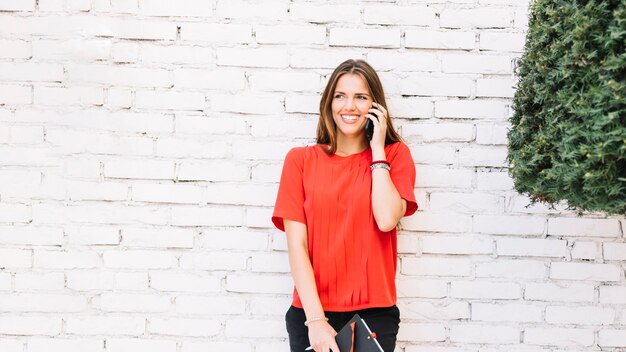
x=403 y=174
x=290 y=199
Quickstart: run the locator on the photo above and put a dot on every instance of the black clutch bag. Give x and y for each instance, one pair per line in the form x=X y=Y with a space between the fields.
x=356 y=336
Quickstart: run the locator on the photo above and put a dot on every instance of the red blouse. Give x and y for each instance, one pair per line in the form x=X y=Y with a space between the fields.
x=353 y=261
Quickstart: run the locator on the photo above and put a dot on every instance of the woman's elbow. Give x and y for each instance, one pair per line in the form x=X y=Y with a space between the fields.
x=386 y=225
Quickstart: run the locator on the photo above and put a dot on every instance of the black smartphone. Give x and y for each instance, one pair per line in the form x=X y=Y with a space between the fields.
x=369 y=127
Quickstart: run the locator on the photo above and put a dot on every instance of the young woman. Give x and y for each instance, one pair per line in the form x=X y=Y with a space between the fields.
x=339 y=202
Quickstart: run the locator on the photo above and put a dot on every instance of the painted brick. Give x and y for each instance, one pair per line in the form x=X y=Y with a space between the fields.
x=223 y=80
x=502 y=41
x=506 y=312
x=50 y=281
x=509 y=225
x=159 y=238
x=493 y=334
x=583 y=227
x=411 y=287
x=117 y=302
x=76 y=50
x=585 y=271
x=399 y=15
x=324 y=12
x=484 y=17
x=518 y=269
x=531 y=247
x=199 y=305
x=428 y=311
x=613 y=294
x=585 y=250
x=237 y=9
x=439 y=132
x=255 y=328
x=422 y=332
x=481 y=289
x=139 y=259
x=13 y=94
x=181 y=282
x=105 y=325
x=433 y=266
x=466 y=244
x=614 y=251
x=437 y=222
x=190 y=124
x=466 y=202
x=15 y=258
x=290 y=34
x=579 y=315
x=207 y=216
x=90 y=280
x=21 y=325
x=170 y=100
x=379 y=38
x=166 y=193
x=259 y=283
x=253 y=57
x=437 y=39
x=176 y=54
x=184 y=8
x=28 y=302
x=85 y=345
x=485 y=64
x=185 y=327
x=128 y=345
x=612 y=338
x=558 y=336
x=328 y=58
x=559 y=292
x=118 y=75
x=454 y=86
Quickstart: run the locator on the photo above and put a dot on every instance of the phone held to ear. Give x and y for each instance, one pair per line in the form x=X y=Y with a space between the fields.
x=369 y=127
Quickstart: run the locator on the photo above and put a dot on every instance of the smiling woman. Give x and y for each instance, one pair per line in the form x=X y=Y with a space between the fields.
x=339 y=202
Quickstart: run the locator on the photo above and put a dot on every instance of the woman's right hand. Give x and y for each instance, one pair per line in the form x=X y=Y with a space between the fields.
x=322 y=337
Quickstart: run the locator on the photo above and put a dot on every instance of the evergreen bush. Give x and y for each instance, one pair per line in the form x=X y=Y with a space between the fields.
x=568 y=135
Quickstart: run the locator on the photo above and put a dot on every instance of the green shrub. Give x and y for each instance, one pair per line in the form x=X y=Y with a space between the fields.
x=568 y=136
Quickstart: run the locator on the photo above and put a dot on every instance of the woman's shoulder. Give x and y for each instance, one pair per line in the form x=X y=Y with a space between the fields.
x=303 y=152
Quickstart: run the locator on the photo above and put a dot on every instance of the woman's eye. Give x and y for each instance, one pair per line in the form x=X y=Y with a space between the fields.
x=363 y=97
x=338 y=96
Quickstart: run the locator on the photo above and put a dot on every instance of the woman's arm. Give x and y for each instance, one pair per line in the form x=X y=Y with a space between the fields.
x=321 y=334
x=387 y=205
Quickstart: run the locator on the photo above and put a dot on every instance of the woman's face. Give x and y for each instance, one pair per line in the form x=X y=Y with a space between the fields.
x=351 y=101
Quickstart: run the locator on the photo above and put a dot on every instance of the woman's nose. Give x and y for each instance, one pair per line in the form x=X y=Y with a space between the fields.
x=350 y=104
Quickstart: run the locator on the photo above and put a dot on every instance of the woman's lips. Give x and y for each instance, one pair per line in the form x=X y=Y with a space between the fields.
x=349 y=119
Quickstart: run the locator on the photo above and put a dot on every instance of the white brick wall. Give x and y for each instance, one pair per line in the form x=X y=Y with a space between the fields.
x=141 y=143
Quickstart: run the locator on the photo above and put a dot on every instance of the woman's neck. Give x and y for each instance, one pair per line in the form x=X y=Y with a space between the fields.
x=348 y=146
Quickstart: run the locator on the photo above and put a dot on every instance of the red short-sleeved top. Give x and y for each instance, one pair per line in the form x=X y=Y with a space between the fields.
x=353 y=261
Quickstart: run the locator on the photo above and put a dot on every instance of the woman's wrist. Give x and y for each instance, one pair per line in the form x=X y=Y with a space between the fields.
x=313 y=320
x=378 y=154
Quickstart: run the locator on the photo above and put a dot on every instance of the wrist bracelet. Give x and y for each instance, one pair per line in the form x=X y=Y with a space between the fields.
x=306 y=323
x=379 y=161
x=380 y=165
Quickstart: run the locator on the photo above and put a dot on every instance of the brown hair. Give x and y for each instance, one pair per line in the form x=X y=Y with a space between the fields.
x=326 y=127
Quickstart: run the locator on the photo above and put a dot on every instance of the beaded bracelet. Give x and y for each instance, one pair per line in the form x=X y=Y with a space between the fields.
x=380 y=164
x=306 y=323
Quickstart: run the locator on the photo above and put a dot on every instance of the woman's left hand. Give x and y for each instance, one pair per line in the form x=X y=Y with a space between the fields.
x=378 y=115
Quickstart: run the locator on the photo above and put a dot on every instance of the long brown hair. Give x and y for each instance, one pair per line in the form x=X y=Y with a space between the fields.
x=326 y=127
